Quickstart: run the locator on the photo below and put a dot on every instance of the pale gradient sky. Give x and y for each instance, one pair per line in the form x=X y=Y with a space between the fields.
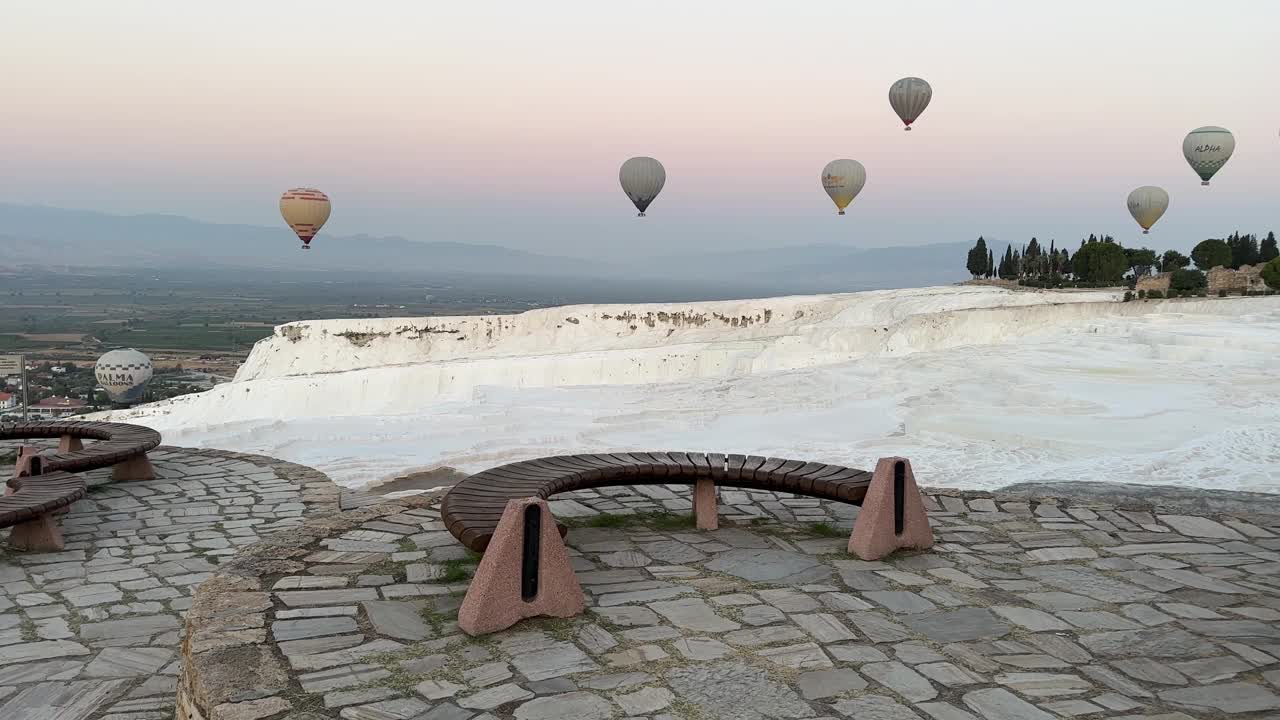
x=506 y=122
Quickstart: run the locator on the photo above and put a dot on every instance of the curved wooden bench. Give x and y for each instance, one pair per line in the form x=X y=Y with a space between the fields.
x=472 y=508
x=119 y=446
x=34 y=498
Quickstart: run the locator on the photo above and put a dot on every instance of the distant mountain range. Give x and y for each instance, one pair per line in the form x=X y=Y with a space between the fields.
x=54 y=238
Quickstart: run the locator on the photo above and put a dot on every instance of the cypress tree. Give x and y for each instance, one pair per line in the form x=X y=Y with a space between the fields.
x=1268 y=250
x=991 y=263
x=976 y=263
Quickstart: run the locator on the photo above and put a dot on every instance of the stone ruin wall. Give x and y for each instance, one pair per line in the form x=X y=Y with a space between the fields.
x=1248 y=277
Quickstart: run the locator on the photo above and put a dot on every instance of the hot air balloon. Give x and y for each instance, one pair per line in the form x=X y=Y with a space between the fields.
x=1207 y=149
x=642 y=179
x=124 y=375
x=1147 y=204
x=909 y=97
x=843 y=180
x=306 y=210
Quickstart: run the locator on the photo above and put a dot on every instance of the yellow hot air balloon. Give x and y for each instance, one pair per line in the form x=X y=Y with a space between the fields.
x=1147 y=204
x=843 y=180
x=305 y=210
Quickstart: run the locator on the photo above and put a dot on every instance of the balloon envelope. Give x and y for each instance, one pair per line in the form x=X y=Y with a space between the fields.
x=123 y=374
x=909 y=97
x=1207 y=149
x=305 y=210
x=843 y=180
x=1147 y=204
x=642 y=179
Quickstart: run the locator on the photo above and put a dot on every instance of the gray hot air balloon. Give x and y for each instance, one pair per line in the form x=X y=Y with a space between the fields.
x=642 y=179
x=1147 y=204
x=1207 y=149
x=843 y=180
x=124 y=375
x=909 y=97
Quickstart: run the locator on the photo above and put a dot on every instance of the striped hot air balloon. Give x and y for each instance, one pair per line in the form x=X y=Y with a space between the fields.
x=305 y=210
x=909 y=97
x=642 y=179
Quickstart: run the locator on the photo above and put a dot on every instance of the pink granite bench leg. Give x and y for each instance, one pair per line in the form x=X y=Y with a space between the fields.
x=42 y=534
x=498 y=596
x=882 y=526
x=22 y=468
x=704 y=504
x=69 y=443
x=137 y=467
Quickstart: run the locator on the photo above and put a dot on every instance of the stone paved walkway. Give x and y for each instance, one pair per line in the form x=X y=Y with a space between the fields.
x=1023 y=611
x=93 y=632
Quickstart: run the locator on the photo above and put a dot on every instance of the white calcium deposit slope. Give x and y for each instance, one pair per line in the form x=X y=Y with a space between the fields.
x=981 y=387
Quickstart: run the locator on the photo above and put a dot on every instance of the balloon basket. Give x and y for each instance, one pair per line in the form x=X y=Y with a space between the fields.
x=639 y=214
x=1146 y=232
x=840 y=213
x=306 y=247
x=907 y=128
x=1204 y=183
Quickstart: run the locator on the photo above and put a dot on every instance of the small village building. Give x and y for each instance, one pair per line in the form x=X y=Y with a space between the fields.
x=57 y=407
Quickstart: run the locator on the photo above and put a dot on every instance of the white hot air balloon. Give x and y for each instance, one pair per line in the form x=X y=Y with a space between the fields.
x=909 y=97
x=1147 y=204
x=1207 y=149
x=123 y=374
x=843 y=180
x=642 y=179
x=305 y=210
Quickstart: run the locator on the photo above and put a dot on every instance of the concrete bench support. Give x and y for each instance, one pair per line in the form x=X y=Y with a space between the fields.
x=137 y=467
x=69 y=443
x=704 y=504
x=525 y=572
x=892 y=514
x=42 y=534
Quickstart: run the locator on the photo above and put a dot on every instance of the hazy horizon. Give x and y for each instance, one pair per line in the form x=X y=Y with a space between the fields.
x=464 y=124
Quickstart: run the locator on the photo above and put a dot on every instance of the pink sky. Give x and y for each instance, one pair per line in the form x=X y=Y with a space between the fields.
x=506 y=123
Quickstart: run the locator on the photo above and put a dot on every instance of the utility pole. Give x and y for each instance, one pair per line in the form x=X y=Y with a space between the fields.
x=16 y=364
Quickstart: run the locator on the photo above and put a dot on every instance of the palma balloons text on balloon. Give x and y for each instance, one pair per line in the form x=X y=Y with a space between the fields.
x=123 y=374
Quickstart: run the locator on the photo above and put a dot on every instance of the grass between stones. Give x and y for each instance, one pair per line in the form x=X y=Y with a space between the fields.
x=558 y=628
x=386 y=567
x=456 y=571
x=685 y=709
x=28 y=628
x=437 y=619
x=654 y=520
x=825 y=529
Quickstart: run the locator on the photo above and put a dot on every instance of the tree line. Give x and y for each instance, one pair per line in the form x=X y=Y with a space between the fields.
x=1102 y=262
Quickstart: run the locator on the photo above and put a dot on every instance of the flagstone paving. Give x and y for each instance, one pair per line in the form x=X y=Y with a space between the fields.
x=1024 y=610
x=94 y=631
